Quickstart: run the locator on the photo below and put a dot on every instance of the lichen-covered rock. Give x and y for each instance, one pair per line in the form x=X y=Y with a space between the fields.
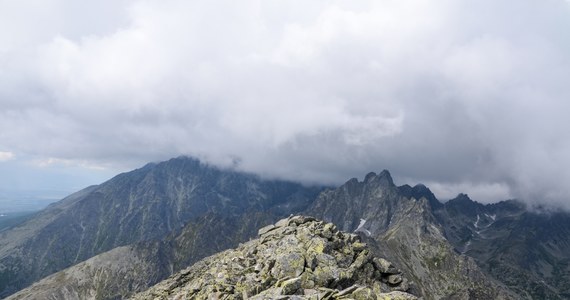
x=297 y=258
x=396 y=296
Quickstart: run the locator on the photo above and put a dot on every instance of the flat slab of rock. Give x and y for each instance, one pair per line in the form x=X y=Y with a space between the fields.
x=265 y=229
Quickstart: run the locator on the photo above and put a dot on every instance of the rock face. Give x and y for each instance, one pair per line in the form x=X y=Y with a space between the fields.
x=399 y=222
x=123 y=271
x=296 y=258
x=528 y=251
x=112 y=275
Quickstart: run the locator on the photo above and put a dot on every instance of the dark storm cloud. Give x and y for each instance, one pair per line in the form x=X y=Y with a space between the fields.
x=465 y=96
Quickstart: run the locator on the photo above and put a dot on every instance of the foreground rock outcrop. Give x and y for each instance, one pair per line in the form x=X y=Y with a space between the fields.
x=296 y=258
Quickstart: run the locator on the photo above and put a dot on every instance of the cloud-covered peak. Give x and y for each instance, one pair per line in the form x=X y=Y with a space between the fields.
x=457 y=94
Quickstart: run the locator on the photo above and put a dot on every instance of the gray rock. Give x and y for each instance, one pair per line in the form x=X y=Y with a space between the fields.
x=291 y=286
x=289 y=265
x=347 y=291
x=282 y=222
x=394 y=279
x=384 y=266
x=266 y=229
x=396 y=296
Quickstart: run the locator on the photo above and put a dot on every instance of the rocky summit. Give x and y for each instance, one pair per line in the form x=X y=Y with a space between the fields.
x=298 y=257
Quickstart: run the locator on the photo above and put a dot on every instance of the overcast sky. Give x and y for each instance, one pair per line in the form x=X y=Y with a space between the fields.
x=461 y=95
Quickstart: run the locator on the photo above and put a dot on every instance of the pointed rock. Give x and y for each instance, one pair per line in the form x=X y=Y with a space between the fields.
x=369 y=177
x=385 y=178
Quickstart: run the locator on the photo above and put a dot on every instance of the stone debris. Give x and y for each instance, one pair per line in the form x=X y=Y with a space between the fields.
x=299 y=257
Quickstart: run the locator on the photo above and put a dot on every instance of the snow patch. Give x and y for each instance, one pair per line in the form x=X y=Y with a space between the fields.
x=476 y=224
x=466 y=247
x=362 y=222
x=360 y=229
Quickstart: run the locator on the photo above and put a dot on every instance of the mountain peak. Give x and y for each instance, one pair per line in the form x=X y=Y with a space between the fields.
x=369 y=177
x=384 y=178
x=419 y=191
x=464 y=200
x=463 y=197
x=464 y=204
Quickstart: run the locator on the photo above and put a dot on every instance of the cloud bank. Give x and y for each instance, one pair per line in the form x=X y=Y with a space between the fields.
x=468 y=96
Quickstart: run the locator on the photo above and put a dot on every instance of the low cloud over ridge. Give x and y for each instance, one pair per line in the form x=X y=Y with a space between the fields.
x=461 y=94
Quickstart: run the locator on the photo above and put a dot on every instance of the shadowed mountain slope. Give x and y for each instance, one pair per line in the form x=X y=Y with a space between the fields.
x=148 y=203
x=398 y=221
x=527 y=250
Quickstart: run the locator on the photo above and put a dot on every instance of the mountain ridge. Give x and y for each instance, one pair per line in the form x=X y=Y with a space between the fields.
x=144 y=204
x=406 y=231
x=408 y=225
x=522 y=247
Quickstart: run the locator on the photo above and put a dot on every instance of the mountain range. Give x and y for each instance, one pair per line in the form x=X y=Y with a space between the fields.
x=120 y=238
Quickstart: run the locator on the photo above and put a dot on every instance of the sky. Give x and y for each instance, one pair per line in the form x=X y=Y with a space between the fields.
x=461 y=95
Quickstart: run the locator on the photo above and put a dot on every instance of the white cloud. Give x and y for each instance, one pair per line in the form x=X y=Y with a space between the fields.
x=458 y=93
x=57 y=162
x=482 y=193
x=4 y=156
